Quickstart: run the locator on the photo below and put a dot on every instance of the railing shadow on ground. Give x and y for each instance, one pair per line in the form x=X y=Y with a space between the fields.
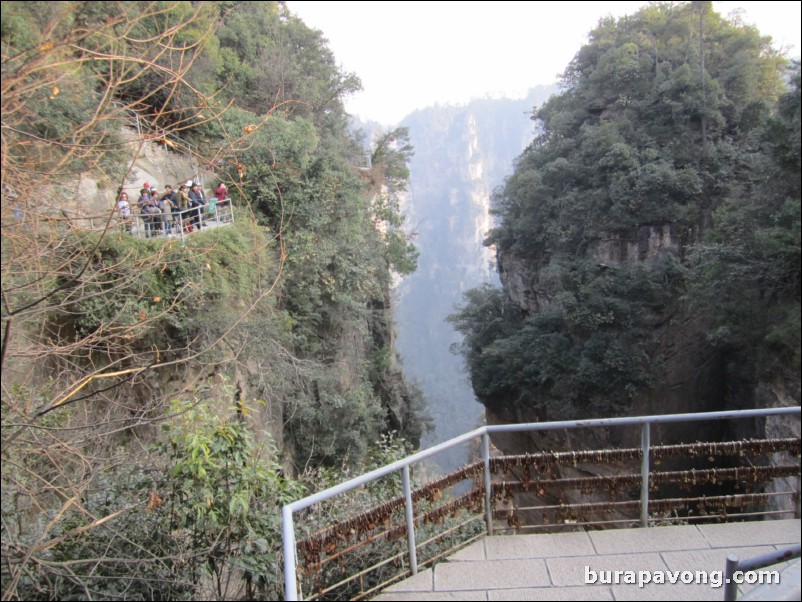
x=351 y=556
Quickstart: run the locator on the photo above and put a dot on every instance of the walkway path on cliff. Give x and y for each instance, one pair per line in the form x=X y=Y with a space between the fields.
x=555 y=566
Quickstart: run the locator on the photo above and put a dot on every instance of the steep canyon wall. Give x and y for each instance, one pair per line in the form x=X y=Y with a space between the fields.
x=461 y=155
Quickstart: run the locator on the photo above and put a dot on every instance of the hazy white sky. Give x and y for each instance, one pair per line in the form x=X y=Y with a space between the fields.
x=410 y=55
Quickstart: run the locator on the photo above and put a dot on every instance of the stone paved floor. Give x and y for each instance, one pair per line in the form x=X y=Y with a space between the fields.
x=553 y=567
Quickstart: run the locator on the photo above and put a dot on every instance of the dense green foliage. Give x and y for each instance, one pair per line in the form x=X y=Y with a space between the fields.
x=226 y=494
x=212 y=512
x=643 y=134
x=284 y=316
x=339 y=245
x=747 y=272
x=584 y=354
x=667 y=139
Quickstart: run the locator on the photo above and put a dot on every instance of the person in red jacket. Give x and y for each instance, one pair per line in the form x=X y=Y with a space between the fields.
x=221 y=192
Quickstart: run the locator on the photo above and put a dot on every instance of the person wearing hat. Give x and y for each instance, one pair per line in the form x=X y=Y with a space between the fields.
x=183 y=206
x=148 y=210
x=167 y=206
x=197 y=203
x=155 y=212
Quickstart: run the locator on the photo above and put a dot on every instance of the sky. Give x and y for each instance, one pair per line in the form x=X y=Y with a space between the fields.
x=410 y=55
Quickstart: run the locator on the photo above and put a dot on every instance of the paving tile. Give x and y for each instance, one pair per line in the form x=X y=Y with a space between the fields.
x=572 y=571
x=755 y=533
x=553 y=566
x=669 y=591
x=789 y=581
x=434 y=596
x=544 y=545
x=422 y=582
x=789 y=588
x=475 y=551
x=552 y=593
x=651 y=539
x=487 y=574
x=709 y=560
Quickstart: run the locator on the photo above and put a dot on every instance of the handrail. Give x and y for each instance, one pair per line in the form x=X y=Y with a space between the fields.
x=153 y=226
x=288 y=526
x=733 y=565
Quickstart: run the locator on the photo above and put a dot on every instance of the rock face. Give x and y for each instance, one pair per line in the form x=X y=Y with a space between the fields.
x=522 y=283
x=358 y=341
x=153 y=163
x=646 y=245
x=461 y=154
x=693 y=376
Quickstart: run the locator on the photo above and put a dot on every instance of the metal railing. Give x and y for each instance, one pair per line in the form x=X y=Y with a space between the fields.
x=180 y=223
x=483 y=470
x=733 y=565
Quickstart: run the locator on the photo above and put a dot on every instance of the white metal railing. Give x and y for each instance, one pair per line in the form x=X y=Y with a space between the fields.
x=403 y=466
x=733 y=565
x=181 y=223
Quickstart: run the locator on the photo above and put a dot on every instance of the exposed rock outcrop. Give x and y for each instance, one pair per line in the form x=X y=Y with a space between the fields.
x=692 y=377
x=461 y=155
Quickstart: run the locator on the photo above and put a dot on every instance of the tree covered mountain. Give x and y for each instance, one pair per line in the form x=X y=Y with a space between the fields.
x=649 y=238
x=163 y=397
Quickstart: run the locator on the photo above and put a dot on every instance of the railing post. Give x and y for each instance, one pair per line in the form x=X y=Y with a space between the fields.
x=410 y=514
x=730 y=587
x=488 y=491
x=645 y=444
x=288 y=533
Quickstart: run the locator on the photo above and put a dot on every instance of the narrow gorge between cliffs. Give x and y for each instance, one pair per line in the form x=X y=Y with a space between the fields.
x=461 y=155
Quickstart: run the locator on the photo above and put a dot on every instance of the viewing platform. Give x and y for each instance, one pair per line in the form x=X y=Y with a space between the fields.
x=553 y=566
x=697 y=512
x=182 y=224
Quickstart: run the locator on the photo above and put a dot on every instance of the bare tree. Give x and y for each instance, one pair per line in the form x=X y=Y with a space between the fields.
x=82 y=306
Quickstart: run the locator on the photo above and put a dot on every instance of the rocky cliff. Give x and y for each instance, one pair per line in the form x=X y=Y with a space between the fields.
x=649 y=251
x=461 y=155
x=691 y=375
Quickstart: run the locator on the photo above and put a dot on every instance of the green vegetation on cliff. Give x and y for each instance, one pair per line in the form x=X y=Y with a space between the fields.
x=663 y=182
x=162 y=398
